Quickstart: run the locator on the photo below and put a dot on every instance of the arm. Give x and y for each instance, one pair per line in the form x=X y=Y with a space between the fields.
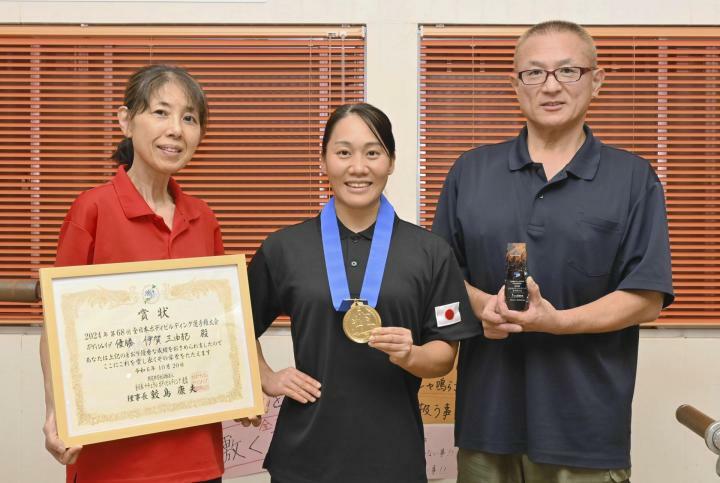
x=646 y=279
x=74 y=248
x=447 y=225
x=264 y=298
x=432 y=359
x=486 y=309
x=614 y=311
x=287 y=382
x=478 y=299
x=53 y=443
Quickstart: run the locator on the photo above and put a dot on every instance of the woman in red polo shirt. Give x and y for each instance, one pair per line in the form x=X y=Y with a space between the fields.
x=142 y=214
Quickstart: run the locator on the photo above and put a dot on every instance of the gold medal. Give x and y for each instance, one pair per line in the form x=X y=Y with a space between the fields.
x=359 y=321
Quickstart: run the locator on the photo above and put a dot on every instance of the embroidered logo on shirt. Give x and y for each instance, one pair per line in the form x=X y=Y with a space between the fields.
x=447 y=314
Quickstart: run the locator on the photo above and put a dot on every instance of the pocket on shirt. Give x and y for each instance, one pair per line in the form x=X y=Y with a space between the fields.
x=594 y=244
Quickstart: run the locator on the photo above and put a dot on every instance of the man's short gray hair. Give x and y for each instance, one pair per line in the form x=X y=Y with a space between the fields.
x=559 y=26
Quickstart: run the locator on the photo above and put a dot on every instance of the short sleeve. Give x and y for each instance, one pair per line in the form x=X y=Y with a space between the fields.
x=448 y=315
x=76 y=244
x=645 y=250
x=263 y=294
x=446 y=223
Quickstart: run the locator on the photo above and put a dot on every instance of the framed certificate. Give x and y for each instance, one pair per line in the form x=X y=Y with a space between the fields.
x=145 y=347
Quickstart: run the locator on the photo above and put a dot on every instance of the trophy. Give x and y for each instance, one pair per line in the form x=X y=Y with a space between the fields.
x=516 y=292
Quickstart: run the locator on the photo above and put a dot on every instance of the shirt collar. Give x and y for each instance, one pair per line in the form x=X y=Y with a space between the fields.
x=583 y=165
x=134 y=205
x=345 y=232
x=519 y=155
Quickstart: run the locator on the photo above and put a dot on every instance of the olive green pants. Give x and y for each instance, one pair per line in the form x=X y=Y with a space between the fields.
x=478 y=467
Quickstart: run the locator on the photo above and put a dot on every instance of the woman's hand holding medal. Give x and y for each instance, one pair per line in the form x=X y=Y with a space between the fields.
x=396 y=342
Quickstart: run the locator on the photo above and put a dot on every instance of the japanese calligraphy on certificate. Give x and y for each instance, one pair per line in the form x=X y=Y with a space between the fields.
x=144 y=347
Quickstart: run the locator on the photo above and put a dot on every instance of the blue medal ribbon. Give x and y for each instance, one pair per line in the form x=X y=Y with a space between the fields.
x=335 y=265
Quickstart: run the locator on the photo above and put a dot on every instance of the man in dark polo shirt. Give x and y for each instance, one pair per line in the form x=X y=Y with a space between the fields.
x=546 y=394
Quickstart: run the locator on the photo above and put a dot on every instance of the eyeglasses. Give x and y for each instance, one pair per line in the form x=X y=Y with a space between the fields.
x=565 y=75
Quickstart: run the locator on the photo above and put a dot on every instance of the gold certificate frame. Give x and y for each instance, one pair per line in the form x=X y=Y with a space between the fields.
x=144 y=347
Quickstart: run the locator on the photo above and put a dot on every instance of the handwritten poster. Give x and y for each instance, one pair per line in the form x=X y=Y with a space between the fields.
x=437 y=399
x=244 y=448
x=440 y=451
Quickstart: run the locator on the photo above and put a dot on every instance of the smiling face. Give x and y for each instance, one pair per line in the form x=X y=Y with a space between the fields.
x=554 y=105
x=166 y=134
x=357 y=165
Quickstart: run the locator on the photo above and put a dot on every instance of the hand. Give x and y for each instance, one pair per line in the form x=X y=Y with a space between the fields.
x=254 y=420
x=396 y=342
x=540 y=316
x=291 y=383
x=55 y=446
x=495 y=326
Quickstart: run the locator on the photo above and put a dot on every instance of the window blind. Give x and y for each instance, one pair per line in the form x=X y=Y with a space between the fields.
x=270 y=90
x=660 y=100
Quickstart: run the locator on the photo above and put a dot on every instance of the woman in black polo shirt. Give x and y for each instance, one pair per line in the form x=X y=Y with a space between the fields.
x=376 y=304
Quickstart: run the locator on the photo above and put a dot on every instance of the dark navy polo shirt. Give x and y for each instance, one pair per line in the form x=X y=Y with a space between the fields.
x=366 y=426
x=598 y=226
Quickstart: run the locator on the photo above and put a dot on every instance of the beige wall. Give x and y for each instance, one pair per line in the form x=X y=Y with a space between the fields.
x=675 y=366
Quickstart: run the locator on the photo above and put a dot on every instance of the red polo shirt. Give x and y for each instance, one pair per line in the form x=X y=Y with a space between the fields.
x=113 y=223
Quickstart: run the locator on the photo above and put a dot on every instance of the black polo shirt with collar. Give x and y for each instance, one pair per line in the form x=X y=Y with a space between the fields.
x=598 y=226
x=366 y=426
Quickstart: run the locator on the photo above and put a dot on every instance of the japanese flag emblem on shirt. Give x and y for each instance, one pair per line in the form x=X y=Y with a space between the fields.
x=447 y=314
